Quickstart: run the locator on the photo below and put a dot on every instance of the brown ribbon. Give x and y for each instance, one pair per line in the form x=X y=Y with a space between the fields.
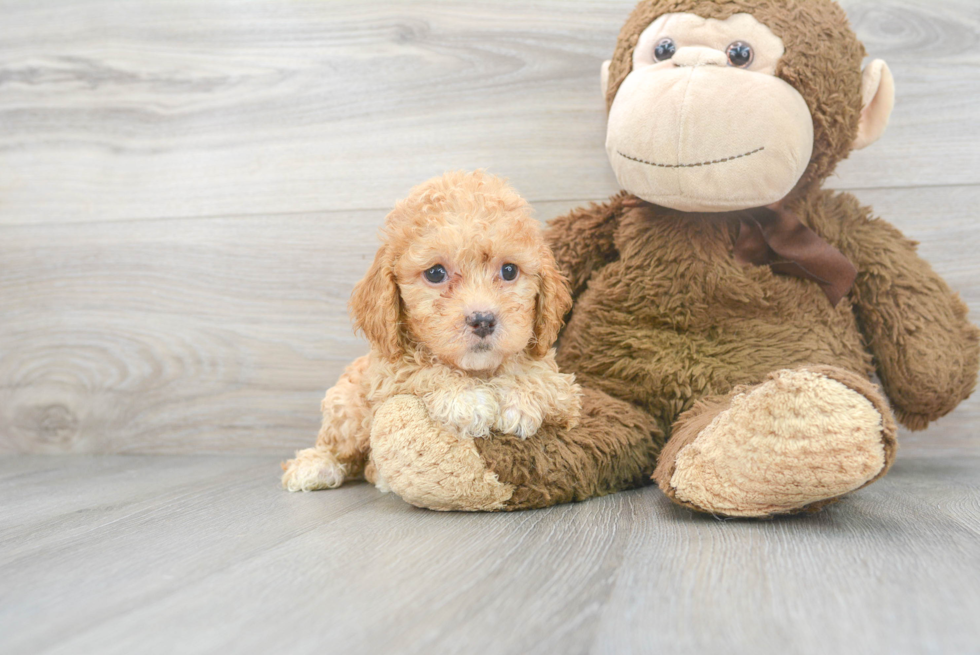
x=775 y=237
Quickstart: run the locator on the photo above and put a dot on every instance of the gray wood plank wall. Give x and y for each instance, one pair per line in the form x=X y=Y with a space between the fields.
x=189 y=190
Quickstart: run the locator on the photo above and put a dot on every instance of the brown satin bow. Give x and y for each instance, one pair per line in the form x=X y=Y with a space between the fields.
x=775 y=237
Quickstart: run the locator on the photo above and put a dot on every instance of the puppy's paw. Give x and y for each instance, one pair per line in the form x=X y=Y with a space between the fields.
x=313 y=469
x=467 y=412
x=514 y=419
x=567 y=407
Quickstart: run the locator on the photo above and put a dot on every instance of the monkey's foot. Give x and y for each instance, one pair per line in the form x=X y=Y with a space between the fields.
x=313 y=469
x=796 y=442
x=428 y=466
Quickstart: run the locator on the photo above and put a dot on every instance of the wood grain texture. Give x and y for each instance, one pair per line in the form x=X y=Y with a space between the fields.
x=205 y=554
x=190 y=335
x=189 y=190
x=167 y=108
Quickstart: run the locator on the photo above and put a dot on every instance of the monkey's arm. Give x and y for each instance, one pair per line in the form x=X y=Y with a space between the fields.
x=925 y=349
x=582 y=240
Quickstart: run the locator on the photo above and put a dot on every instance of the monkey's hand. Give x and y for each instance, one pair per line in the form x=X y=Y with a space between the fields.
x=926 y=350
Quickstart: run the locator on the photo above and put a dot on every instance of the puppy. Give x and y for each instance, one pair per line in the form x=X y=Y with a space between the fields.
x=461 y=306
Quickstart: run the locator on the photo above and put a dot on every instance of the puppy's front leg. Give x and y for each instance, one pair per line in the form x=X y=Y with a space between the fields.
x=540 y=394
x=342 y=445
x=465 y=406
x=521 y=411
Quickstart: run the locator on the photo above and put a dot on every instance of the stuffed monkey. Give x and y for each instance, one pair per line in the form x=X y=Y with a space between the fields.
x=724 y=294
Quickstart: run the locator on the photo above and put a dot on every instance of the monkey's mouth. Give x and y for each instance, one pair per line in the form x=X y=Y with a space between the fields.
x=703 y=163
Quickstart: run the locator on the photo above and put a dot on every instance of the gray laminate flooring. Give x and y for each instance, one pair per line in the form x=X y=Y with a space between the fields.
x=205 y=554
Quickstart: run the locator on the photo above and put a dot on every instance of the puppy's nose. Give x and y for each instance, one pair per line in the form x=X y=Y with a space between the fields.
x=482 y=323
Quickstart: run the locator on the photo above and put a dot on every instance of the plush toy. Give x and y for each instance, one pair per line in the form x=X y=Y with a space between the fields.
x=727 y=294
x=724 y=299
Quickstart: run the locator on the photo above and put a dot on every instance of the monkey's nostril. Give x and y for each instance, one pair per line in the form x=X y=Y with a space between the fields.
x=482 y=323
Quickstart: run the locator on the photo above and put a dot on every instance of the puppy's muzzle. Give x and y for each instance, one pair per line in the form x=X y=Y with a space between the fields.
x=483 y=323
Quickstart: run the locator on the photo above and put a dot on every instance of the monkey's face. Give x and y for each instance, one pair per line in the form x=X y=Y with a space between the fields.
x=702 y=123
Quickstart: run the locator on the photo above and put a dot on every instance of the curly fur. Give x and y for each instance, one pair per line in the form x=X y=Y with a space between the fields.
x=507 y=382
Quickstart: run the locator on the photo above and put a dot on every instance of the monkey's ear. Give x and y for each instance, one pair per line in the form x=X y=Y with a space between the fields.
x=604 y=77
x=375 y=306
x=878 y=100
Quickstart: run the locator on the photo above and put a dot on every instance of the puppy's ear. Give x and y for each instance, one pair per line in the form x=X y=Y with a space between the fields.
x=375 y=306
x=554 y=301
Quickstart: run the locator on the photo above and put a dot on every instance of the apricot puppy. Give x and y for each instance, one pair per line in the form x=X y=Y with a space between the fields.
x=461 y=306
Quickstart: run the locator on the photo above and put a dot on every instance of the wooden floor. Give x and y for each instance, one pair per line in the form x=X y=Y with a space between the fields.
x=193 y=554
x=189 y=190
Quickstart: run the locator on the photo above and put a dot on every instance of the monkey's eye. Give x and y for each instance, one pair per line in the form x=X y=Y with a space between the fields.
x=665 y=49
x=740 y=54
x=509 y=272
x=436 y=274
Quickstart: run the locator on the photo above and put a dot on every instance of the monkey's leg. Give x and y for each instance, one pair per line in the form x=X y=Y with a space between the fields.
x=613 y=448
x=341 y=447
x=796 y=442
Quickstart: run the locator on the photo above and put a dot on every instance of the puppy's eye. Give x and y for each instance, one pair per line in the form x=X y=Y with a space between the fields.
x=509 y=272
x=436 y=274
